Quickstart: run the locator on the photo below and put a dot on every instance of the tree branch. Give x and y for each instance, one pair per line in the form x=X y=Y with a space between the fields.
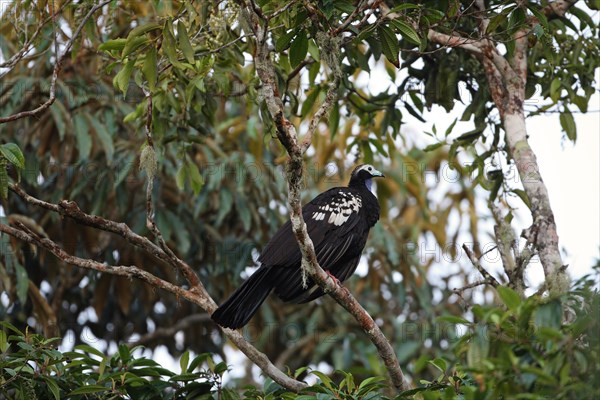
x=470 y=45
x=286 y=134
x=196 y=294
x=57 y=68
x=488 y=278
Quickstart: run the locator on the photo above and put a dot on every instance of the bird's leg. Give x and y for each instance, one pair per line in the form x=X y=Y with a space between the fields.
x=337 y=281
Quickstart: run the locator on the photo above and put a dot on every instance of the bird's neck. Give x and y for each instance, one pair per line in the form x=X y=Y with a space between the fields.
x=362 y=185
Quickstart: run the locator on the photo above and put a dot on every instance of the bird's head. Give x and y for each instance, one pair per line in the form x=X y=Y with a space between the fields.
x=363 y=175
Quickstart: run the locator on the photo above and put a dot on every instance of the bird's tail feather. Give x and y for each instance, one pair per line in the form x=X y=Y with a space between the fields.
x=244 y=302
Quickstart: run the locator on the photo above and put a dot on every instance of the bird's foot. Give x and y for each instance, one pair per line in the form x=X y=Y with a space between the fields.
x=335 y=280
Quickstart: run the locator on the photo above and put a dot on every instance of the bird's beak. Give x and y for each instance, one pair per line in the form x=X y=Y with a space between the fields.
x=377 y=174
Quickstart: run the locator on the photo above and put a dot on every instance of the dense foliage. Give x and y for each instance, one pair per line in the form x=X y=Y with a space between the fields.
x=221 y=193
x=509 y=350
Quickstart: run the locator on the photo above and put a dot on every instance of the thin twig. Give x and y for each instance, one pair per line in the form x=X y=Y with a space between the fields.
x=477 y=264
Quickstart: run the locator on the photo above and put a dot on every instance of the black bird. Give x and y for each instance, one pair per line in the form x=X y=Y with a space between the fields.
x=338 y=222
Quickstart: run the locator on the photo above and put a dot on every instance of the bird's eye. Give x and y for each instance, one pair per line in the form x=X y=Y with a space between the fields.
x=370 y=169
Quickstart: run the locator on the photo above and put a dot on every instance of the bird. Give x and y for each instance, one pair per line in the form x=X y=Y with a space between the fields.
x=338 y=222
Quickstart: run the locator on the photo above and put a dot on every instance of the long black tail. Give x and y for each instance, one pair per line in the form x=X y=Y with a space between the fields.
x=244 y=302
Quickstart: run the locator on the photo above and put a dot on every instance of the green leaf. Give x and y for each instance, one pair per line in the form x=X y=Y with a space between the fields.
x=555 y=89
x=389 y=44
x=538 y=14
x=184 y=361
x=113 y=45
x=440 y=364
x=121 y=80
x=184 y=42
x=149 y=69
x=13 y=154
x=327 y=382
x=567 y=122
x=479 y=347
x=407 y=31
x=104 y=136
x=3 y=179
x=180 y=177
x=451 y=127
x=143 y=29
x=89 y=349
x=434 y=146
x=89 y=389
x=133 y=44
x=169 y=46
x=548 y=315
x=334 y=120
x=52 y=386
x=196 y=180
x=284 y=40
x=509 y=297
x=298 y=49
x=84 y=139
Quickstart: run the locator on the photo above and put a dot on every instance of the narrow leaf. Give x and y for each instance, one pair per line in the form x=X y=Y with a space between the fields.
x=114 y=44
x=510 y=298
x=150 y=69
x=121 y=80
x=184 y=43
x=407 y=31
x=143 y=29
x=13 y=154
x=389 y=44
x=133 y=44
x=298 y=49
x=567 y=122
x=284 y=40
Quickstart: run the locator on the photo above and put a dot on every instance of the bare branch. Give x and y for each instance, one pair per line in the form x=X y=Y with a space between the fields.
x=57 y=68
x=477 y=264
x=455 y=40
x=128 y=271
x=471 y=286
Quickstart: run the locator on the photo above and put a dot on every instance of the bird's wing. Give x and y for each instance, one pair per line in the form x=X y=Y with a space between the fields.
x=333 y=223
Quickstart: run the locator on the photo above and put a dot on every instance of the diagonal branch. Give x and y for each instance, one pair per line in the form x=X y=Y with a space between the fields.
x=488 y=278
x=286 y=134
x=196 y=295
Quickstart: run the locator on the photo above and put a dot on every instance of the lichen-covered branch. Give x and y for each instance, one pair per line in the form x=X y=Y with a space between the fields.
x=286 y=134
